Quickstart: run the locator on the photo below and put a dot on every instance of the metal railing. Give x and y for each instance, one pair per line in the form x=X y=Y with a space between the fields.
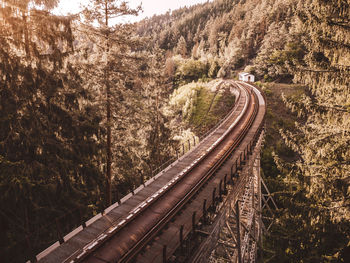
x=183 y=149
x=56 y=229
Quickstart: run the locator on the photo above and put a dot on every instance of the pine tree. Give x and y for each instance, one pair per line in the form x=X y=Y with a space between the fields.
x=159 y=143
x=320 y=210
x=181 y=47
x=49 y=131
x=213 y=37
x=326 y=74
x=170 y=68
x=113 y=45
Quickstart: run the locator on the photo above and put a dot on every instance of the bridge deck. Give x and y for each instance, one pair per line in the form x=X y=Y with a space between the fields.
x=118 y=213
x=170 y=237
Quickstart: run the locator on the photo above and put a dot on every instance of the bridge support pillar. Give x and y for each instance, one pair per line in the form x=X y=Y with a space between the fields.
x=205 y=212
x=235 y=232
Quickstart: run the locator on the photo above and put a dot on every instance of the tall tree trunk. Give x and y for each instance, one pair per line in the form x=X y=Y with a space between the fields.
x=157 y=131
x=109 y=121
x=109 y=146
x=26 y=34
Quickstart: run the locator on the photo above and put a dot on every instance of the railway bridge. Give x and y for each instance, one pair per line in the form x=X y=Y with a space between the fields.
x=204 y=207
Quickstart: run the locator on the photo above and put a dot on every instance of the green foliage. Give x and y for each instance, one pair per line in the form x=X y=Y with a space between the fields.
x=280 y=52
x=277 y=117
x=230 y=33
x=111 y=70
x=214 y=69
x=292 y=52
x=189 y=70
x=299 y=233
x=159 y=146
x=181 y=48
x=50 y=131
x=201 y=107
x=315 y=225
x=181 y=101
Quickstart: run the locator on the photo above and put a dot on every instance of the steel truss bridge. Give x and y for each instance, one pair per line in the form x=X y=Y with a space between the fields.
x=204 y=207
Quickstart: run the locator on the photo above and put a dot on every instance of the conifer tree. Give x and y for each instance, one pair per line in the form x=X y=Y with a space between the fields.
x=49 y=129
x=326 y=75
x=320 y=210
x=159 y=143
x=181 y=47
x=114 y=63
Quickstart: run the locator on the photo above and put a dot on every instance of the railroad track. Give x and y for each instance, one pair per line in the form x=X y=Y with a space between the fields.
x=129 y=237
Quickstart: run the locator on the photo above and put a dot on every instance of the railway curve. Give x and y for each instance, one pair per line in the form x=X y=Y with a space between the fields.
x=170 y=206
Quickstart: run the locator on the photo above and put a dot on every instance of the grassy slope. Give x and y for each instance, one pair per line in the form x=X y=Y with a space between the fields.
x=196 y=108
x=209 y=108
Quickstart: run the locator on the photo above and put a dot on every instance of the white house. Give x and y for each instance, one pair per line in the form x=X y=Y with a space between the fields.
x=244 y=76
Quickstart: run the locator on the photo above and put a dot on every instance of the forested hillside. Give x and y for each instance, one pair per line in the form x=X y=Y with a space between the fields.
x=308 y=166
x=85 y=118
x=80 y=119
x=320 y=178
x=88 y=110
x=227 y=35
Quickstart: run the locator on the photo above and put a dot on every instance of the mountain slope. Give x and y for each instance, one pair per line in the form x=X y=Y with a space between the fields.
x=230 y=33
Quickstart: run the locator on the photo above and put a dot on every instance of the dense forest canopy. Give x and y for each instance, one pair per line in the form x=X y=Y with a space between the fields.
x=321 y=176
x=228 y=35
x=89 y=110
x=62 y=152
x=49 y=136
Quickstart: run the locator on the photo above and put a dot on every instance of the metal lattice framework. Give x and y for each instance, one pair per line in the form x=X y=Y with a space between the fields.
x=237 y=225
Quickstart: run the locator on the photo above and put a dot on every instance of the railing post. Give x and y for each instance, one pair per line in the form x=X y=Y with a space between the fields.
x=189 y=144
x=213 y=198
x=142 y=179
x=194 y=140
x=59 y=233
x=118 y=196
x=83 y=224
x=194 y=222
x=102 y=210
x=220 y=190
x=183 y=149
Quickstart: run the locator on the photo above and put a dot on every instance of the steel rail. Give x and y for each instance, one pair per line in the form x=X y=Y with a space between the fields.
x=245 y=127
x=188 y=196
x=81 y=255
